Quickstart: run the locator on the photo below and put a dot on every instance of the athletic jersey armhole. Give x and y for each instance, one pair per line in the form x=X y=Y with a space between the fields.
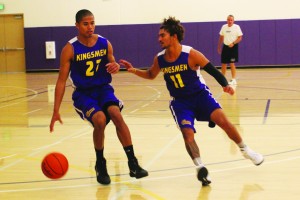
x=161 y=53
x=74 y=39
x=186 y=48
x=100 y=36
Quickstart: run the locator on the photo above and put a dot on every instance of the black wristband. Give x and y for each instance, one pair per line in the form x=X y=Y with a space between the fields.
x=213 y=71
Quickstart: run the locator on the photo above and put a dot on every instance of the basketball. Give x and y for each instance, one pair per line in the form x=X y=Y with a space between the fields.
x=55 y=165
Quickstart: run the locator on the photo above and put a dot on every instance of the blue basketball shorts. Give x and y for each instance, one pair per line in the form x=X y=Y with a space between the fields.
x=89 y=101
x=199 y=106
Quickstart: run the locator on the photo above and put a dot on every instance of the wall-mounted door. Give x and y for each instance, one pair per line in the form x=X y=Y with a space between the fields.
x=12 y=48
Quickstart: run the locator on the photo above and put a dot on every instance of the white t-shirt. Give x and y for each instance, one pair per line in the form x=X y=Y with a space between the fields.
x=230 y=33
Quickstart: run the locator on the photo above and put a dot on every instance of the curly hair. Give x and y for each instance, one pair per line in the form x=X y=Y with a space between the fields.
x=173 y=26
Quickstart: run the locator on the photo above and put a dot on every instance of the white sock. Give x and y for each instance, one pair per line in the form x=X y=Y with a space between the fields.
x=198 y=162
x=241 y=144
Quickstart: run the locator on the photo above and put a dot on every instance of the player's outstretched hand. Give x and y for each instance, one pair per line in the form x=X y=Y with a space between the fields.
x=228 y=89
x=127 y=65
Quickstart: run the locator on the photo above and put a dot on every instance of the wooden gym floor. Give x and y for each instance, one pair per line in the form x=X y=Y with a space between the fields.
x=265 y=109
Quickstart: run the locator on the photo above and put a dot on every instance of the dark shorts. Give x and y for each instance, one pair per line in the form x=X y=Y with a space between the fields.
x=230 y=55
x=89 y=101
x=199 y=107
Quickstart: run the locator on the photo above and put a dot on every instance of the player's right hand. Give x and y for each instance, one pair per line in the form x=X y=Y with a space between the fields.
x=127 y=65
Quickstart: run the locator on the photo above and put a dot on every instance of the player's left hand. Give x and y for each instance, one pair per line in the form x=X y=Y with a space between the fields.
x=229 y=89
x=55 y=117
x=112 y=67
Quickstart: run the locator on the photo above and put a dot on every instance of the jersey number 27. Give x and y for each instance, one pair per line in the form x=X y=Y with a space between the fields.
x=91 y=67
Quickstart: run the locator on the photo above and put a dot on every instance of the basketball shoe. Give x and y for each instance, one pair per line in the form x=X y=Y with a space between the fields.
x=248 y=153
x=135 y=169
x=101 y=172
x=233 y=82
x=202 y=175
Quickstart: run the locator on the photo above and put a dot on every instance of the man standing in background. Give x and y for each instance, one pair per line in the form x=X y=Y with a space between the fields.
x=230 y=35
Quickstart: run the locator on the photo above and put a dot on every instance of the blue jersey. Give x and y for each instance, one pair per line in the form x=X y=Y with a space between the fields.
x=180 y=79
x=88 y=68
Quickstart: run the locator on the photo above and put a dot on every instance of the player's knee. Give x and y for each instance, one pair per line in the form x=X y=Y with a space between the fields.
x=188 y=137
x=189 y=140
x=99 y=120
x=115 y=115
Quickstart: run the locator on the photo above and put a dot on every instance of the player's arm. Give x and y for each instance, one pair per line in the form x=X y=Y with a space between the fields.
x=150 y=73
x=65 y=61
x=112 y=67
x=196 y=59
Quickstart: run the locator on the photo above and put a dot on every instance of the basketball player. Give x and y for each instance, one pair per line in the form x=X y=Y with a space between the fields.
x=88 y=61
x=191 y=98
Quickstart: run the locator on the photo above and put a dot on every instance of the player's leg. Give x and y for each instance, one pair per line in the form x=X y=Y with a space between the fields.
x=184 y=119
x=99 y=123
x=125 y=138
x=121 y=127
x=219 y=117
x=190 y=143
x=194 y=152
x=89 y=110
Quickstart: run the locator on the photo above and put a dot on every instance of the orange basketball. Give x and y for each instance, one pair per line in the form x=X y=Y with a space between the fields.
x=55 y=165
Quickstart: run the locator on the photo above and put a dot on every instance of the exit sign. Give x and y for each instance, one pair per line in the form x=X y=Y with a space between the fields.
x=1 y=6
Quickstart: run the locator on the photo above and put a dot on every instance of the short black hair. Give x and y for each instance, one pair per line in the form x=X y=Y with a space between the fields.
x=173 y=26
x=81 y=14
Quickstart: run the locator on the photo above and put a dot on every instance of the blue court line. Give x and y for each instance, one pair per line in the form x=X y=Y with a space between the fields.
x=266 y=111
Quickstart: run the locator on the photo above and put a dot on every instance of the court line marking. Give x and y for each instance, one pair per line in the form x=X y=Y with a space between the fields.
x=149 y=163
x=152 y=99
x=39 y=149
x=171 y=169
x=12 y=155
x=162 y=151
x=148 y=179
x=228 y=169
x=31 y=111
x=266 y=111
x=134 y=111
x=32 y=96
